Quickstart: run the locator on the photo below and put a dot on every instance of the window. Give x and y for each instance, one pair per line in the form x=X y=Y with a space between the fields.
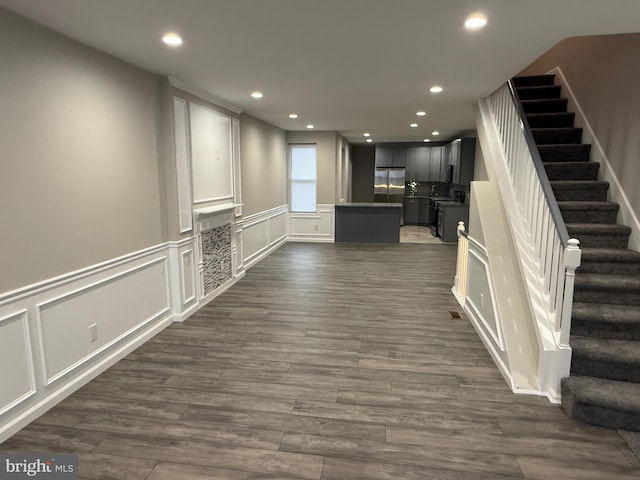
x=302 y=178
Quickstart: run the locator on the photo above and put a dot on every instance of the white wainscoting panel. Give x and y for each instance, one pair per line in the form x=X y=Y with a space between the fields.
x=116 y=306
x=262 y=233
x=16 y=361
x=480 y=297
x=45 y=328
x=255 y=239
x=188 y=272
x=313 y=227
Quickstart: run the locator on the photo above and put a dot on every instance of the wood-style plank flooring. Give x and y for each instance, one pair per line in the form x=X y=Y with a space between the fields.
x=332 y=361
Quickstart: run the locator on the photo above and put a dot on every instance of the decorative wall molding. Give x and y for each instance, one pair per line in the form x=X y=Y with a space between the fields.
x=491 y=337
x=313 y=227
x=20 y=384
x=182 y=134
x=186 y=87
x=262 y=233
x=47 y=325
x=72 y=318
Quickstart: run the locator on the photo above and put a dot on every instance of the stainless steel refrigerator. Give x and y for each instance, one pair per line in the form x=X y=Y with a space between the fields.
x=388 y=185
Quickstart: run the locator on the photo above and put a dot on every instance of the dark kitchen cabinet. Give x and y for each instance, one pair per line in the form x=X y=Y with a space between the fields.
x=462 y=159
x=411 y=210
x=448 y=218
x=437 y=165
x=426 y=212
x=411 y=165
x=390 y=157
x=418 y=165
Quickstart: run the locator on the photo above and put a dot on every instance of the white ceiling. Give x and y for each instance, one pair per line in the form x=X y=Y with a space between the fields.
x=345 y=65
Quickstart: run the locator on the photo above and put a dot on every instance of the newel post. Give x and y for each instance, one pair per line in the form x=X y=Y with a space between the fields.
x=460 y=280
x=572 y=255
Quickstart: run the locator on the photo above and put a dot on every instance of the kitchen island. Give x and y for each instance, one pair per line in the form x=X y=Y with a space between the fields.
x=368 y=222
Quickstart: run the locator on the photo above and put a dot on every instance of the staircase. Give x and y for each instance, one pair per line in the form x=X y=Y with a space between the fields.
x=604 y=385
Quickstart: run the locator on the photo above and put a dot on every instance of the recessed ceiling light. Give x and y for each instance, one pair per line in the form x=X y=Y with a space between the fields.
x=436 y=89
x=172 y=39
x=413 y=125
x=427 y=140
x=366 y=134
x=369 y=140
x=436 y=133
x=475 y=22
x=257 y=94
x=293 y=115
x=311 y=126
x=421 y=113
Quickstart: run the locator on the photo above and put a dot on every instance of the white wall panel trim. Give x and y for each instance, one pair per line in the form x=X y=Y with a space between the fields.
x=263 y=232
x=186 y=300
x=186 y=87
x=497 y=334
x=34 y=288
x=13 y=425
x=49 y=379
x=22 y=317
x=249 y=220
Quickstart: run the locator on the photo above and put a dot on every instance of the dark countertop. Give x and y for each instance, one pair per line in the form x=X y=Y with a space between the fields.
x=375 y=205
x=451 y=203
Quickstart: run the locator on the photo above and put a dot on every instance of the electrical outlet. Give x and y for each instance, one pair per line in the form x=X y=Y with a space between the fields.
x=315 y=227
x=93 y=332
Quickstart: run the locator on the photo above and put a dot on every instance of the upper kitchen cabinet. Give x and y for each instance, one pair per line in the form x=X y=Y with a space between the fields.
x=417 y=164
x=462 y=154
x=438 y=164
x=390 y=157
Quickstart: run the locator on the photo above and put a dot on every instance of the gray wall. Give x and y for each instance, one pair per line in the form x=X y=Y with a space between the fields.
x=263 y=148
x=78 y=138
x=326 y=152
x=604 y=74
x=363 y=164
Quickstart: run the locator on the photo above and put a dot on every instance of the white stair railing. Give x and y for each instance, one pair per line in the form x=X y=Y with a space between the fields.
x=547 y=256
x=554 y=253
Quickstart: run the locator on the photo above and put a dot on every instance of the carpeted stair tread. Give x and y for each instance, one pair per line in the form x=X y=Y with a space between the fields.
x=588 y=212
x=593 y=206
x=610 y=255
x=533 y=80
x=606 y=358
x=545 y=105
x=603 y=402
x=599 y=228
x=551 y=120
x=568 y=152
x=580 y=190
x=600 y=235
x=607 y=282
x=557 y=136
x=572 y=170
x=614 y=261
x=607 y=288
x=538 y=91
x=620 y=322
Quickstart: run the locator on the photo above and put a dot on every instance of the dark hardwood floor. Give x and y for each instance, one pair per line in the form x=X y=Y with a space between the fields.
x=332 y=361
